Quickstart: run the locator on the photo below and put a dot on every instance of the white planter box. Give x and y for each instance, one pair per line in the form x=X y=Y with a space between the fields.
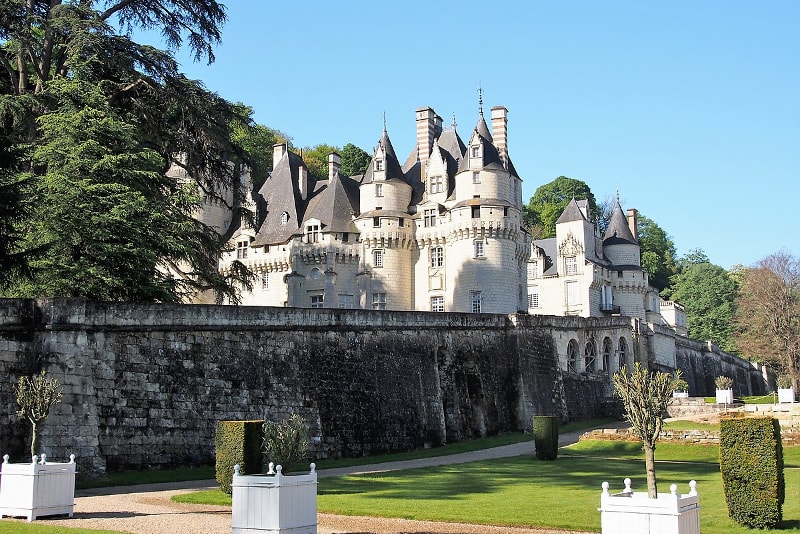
x=274 y=503
x=37 y=489
x=724 y=396
x=786 y=395
x=680 y=394
x=634 y=513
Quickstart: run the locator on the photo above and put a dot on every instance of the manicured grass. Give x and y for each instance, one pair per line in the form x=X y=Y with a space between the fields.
x=682 y=424
x=18 y=527
x=149 y=476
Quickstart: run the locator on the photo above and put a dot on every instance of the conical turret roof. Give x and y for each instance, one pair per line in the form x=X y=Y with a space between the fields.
x=618 y=231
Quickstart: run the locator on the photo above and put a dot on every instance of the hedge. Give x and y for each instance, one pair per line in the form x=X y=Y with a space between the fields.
x=545 y=436
x=237 y=442
x=751 y=462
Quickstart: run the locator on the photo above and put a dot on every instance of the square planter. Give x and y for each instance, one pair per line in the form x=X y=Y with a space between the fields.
x=786 y=395
x=680 y=394
x=633 y=513
x=37 y=489
x=724 y=396
x=274 y=503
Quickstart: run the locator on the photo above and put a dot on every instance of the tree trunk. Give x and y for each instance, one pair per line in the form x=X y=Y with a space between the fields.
x=650 y=466
x=34 y=439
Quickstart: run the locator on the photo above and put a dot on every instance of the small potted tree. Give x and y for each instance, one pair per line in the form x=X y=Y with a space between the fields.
x=681 y=388
x=724 y=386
x=275 y=502
x=785 y=389
x=40 y=487
x=645 y=397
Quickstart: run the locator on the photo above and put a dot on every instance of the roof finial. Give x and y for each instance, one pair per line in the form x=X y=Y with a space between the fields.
x=384 y=122
x=454 y=120
x=480 y=99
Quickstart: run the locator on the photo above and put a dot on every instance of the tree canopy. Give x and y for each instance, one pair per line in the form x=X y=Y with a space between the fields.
x=354 y=160
x=550 y=200
x=658 y=252
x=91 y=123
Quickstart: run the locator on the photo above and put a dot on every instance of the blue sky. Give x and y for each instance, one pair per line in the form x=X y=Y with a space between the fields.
x=691 y=109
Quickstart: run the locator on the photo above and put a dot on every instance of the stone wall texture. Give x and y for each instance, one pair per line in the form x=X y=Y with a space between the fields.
x=145 y=384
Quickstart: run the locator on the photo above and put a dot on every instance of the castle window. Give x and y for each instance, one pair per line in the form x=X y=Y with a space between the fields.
x=621 y=352
x=475 y=151
x=505 y=211
x=346 y=302
x=476 y=177
x=312 y=233
x=317 y=301
x=572 y=356
x=430 y=217
x=533 y=297
x=437 y=185
x=378 y=190
x=376 y=222
x=377 y=258
x=572 y=264
x=573 y=296
x=475 y=301
x=378 y=164
x=479 y=248
x=284 y=217
x=476 y=212
x=437 y=304
x=590 y=357
x=533 y=269
x=379 y=301
x=345 y=237
x=437 y=257
x=401 y=222
x=264 y=280
x=608 y=347
x=241 y=249
x=315 y=274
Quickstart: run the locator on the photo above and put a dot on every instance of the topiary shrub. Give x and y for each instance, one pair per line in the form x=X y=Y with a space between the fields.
x=751 y=462
x=723 y=382
x=237 y=442
x=545 y=436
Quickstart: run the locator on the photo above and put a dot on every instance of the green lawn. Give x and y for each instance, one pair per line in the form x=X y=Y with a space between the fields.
x=524 y=491
x=18 y=527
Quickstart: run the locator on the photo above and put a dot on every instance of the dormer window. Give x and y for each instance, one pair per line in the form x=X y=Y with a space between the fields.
x=475 y=151
x=571 y=264
x=378 y=164
x=312 y=233
x=241 y=249
x=284 y=217
x=437 y=185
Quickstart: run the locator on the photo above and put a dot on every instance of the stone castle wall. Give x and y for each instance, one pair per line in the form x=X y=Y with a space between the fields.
x=144 y=385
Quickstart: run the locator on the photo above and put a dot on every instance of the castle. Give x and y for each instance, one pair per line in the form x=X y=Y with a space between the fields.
x=441 y=231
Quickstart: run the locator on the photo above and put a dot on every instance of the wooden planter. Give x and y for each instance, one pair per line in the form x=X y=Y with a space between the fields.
x=37 y=489
x=786 y=395
x=724 y=396
x=274 y=503
x=680 y=394
x=633 y=513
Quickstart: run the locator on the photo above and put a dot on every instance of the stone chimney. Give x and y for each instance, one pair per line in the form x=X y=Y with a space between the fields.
x=302 y=181
x=633 y=217
x=278 y=150
x=429 y=127
x=334 y=162
x=500 y=132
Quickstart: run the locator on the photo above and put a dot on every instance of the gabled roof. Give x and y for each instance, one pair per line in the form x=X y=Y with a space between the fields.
x=391 y=165
x=491 y=157
x=571 y=213
x=549 y=249
x=282 y=194
x=618 y=231
x=335 y=205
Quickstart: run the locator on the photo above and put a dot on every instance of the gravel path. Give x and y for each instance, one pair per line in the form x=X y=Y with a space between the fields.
x=148 y=509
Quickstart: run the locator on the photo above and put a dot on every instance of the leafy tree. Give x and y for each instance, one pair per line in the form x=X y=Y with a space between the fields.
x=550 y=200
x=354 y=160
x=35 y=396
x=316 y=159
x=658 y=252
x=96 y=119
x=708 y=293
x=768 y=313
x=645 y=397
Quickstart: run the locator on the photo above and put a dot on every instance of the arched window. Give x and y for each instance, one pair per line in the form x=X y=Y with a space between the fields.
x=622 y=352
x=284 y=217
x=608 y=348
x=572 y=356
x=590 y=357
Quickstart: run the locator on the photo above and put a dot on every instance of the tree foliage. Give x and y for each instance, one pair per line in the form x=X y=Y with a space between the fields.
x=658 y=252
x=768 y=313
x=708 y=294
x=645 y=397
x=550 y=200
x=354 y=160
x=286 y=442
x=35 y=396
x=94 y=121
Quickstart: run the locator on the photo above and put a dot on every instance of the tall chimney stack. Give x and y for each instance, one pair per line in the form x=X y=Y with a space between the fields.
x=278 y=150
x=500 y=132
x=334 y=163
x=429 y=127
x=302 y=181
x=633 y=217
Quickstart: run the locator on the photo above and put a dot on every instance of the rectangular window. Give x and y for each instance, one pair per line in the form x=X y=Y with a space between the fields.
x=476 y=177
x=437 y=184
x=317 y=301
x=379 y=301
x=476 y=212
x=475 y=151
x=533 y=297
x=437 y=304
x=475 y=299
x=264 y=280
x=572 y=265
x=430 y=217
x=345 y=237
x=378 y=190
x=533 y=270
x=377 y=258
x=479 y=252
x=573 y=296
x=378 y=164
x=376 y=222
x=401 y=222
x=241 y=249
x=505 y=211
x=312 y=233
x=346 y=302
x=437 y=257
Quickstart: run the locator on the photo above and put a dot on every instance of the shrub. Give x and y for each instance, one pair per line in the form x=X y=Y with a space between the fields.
x=35 y=396
x=545 y=436
x=286 y=443
x=723 y=382
x=751 y=462
x=681 y=384
x=237 y=442
x=784 y=381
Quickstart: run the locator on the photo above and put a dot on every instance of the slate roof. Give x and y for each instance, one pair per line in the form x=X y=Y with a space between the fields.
x=335 y=205
x=282 y=194
x=549 y=247
x=491 y=157
x=618 y=231
x=391 y=166
x=571 y=213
